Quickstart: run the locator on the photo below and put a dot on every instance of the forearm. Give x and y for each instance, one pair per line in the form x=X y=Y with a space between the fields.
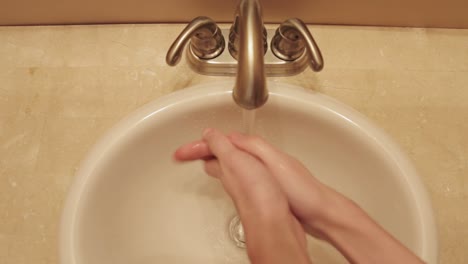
x=273 y=237
x=359 y=238
x=273 y=234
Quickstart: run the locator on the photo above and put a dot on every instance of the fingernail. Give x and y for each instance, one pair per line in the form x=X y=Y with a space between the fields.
x=195 y=146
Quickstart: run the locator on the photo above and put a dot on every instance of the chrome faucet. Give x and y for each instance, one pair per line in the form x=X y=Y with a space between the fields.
x=292 y=49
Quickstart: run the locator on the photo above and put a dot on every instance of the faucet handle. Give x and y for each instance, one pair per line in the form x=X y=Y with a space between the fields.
x=206 y=41
x=292 y=39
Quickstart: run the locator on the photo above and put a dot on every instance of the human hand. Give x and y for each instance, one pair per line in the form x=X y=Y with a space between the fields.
x=274 y=194
x=304 y=193
x=273 y=234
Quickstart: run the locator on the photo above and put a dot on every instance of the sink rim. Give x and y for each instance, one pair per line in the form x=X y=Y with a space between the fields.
x=83 y=176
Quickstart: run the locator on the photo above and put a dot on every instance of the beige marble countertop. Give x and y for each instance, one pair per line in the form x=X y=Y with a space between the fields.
x=62 y=87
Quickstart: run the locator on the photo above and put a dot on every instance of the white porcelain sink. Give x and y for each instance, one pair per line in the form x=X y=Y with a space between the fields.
x=130 y=203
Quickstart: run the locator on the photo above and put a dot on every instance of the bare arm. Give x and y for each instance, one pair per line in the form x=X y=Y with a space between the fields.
x=327 y=214
x=357 y=236
x=286 y=188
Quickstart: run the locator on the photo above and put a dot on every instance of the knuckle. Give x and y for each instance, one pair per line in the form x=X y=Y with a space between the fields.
x=256 y=140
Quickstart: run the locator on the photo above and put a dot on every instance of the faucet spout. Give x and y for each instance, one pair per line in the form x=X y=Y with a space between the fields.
x=250 y=90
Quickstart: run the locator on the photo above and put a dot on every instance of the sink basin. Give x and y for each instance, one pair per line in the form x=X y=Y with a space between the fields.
x=131 y=203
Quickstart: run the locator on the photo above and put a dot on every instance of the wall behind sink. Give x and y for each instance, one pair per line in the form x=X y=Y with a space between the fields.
x=415 y=13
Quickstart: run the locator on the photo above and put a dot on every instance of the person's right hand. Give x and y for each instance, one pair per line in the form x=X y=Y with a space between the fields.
x=306 y=195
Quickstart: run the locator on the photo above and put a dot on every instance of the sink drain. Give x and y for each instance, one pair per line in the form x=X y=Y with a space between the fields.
x=236 y=231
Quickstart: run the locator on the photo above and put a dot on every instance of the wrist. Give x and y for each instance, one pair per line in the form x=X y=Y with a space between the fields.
x=335 y=213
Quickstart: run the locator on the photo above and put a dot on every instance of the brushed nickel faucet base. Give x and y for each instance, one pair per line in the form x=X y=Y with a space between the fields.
x=226 y=65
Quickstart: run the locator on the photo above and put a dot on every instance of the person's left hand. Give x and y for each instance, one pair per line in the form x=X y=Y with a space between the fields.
x=273 y=234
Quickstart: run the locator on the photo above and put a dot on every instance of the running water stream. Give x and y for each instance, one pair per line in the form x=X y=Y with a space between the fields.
x=248 y=120
x=236 y=231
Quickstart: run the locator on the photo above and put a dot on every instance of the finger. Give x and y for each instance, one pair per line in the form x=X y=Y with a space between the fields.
x=246 y=179
x=301 y=188
x=218 y=143
x=278 y=162
x=299 y=232
x=259 y=148
x=193 y=151
x=213 y=168
x=243 y=176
